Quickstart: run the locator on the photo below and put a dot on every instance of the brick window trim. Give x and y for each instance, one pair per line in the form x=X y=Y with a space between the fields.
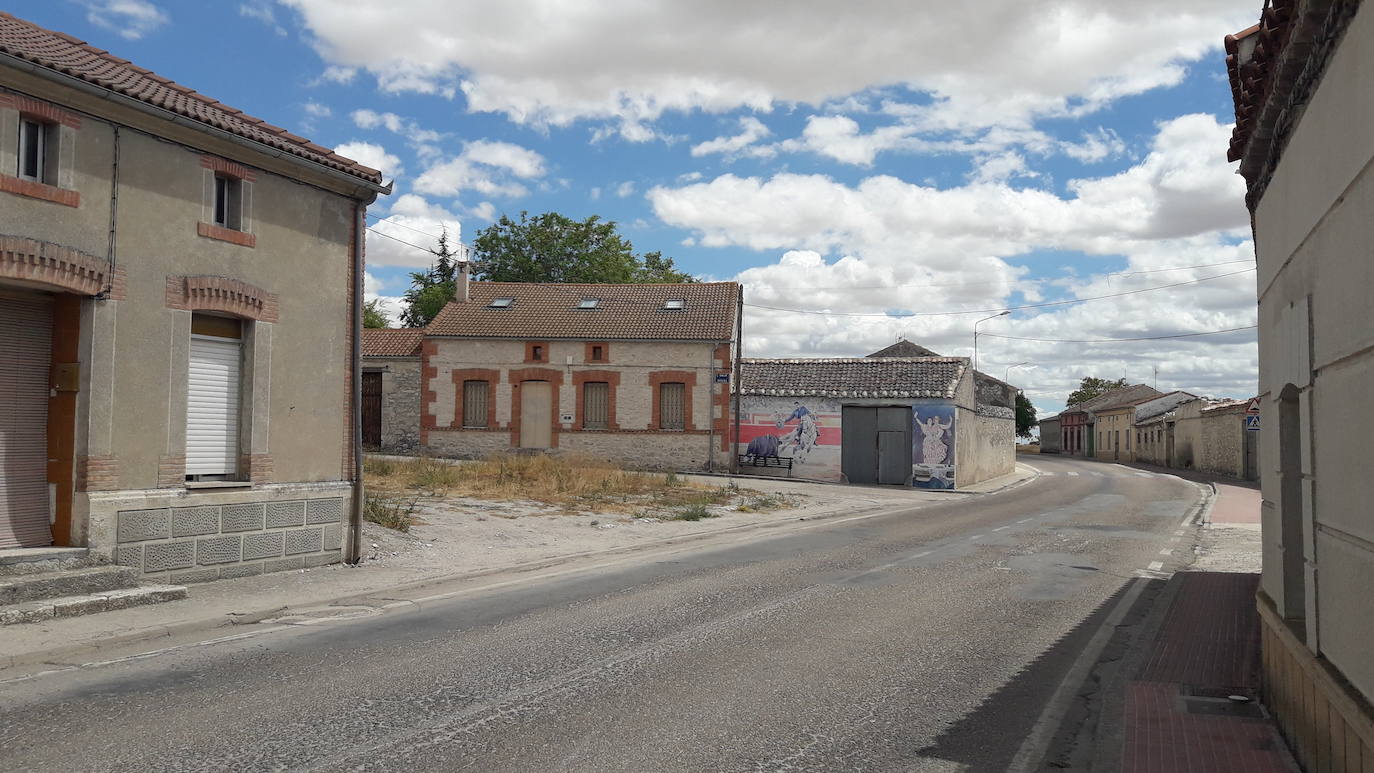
x=609 y=377
x=217 y=293
x=689 y=381
x=605 y=352
x=43 y=111
x=519 y=376
x=220 y=233
x=59 y=267
x=41 y=191
x=529 y=351
x=721 y=401
x=228 y=168
x=429 y=375
x=460 y=375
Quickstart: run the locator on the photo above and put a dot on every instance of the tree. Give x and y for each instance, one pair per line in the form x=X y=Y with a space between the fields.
x=432 y=289
x=554 y=248
x=1093 y=387
x=374 y=316
x=1025 y=415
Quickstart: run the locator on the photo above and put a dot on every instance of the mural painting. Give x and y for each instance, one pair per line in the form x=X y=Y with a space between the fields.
x=932 y=445
x=805 y=430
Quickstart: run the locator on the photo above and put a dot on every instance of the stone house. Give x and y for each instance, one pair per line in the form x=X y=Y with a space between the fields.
x=914 y=421
x=1304 y=140
x=177 y=287
x=1226 y=447
x=1154 y=424
x=1108 y=421
x=391 y=389
x=637 y=374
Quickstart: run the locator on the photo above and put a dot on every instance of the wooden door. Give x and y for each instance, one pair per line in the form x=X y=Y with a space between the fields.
x=536 y=414
x=372 y=409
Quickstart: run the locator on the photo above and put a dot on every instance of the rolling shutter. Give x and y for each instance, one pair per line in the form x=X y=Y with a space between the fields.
x=25 y=351
x=212 y=406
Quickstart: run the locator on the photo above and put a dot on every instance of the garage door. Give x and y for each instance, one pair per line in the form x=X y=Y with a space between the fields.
x=26 y=333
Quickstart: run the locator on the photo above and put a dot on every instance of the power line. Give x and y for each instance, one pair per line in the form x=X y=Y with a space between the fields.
x=402 y=241
x=1116 y=340
x=996 y=309
x=1036 y=281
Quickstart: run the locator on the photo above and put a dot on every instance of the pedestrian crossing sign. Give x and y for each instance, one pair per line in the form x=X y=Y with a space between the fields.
x=1252 y=423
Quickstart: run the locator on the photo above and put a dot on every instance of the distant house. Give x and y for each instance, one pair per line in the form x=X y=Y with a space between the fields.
x=177 y=299
x=1051 y=437
x=1083 y=434
x=879 y=419
x=1154 y=425
x=391 y=389
x=638 y=374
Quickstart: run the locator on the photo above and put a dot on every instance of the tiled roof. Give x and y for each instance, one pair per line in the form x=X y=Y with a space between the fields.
x=853 y=377
x=1250 y=62
x=392 y=342
x=1120 y=398
x=1158 y=406
x=904 y=348
x=622 y=312
x=65 y=54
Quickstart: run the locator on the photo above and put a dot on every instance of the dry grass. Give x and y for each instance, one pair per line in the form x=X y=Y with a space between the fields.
x=572 y=482
x=1027 y=449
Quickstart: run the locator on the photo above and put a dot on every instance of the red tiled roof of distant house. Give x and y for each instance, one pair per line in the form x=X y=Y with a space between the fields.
x=392 y=342
x=67 y=55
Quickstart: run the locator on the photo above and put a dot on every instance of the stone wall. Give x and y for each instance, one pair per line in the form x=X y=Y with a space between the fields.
x=1223 y=441
x=986 y=447
x=400 y=402
x=208 y=534
x=467 y=444
x=647 y=451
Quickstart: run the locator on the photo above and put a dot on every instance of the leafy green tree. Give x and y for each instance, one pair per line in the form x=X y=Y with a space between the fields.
x=374 y=316
x=554 y=248
x=1091 y=387
x=1025 y=415
x=430 y=290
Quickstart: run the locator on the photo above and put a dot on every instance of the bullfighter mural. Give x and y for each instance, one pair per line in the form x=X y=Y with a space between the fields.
x=807 y=431
x=932 y=441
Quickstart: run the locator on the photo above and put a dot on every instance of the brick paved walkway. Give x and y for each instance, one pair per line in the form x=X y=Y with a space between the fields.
x=1178 y=718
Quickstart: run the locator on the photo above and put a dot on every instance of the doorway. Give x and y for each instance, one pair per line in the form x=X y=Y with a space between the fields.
x=372 y=408
x=26 y=321
x=875 y=444
x=536 y=414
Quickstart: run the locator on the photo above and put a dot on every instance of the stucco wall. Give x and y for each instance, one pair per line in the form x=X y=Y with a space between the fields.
x=1316 y=332
x=134 y=348
x=1051 y=437
x=986 y=448
x=1188 y=435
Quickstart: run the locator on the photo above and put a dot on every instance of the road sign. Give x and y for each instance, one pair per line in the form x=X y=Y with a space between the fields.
x=722 y=378
x=1253 y=409
x=1252 y=423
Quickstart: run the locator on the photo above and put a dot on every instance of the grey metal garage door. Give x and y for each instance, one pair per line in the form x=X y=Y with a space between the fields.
x=875 y=444
x=25 y=351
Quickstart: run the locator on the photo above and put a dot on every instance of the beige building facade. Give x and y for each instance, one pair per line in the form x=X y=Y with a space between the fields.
x=176 y=299
x=1304 y=138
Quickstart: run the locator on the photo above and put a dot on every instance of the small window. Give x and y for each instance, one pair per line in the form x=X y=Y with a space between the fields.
x=474 y=403
x=672 y=405
x=674 y=304
x=36 y=149
x=500 y=303
x=228 y=202
x=589 y=303
x=596 y=405
x=598 y=354
x=537 y=353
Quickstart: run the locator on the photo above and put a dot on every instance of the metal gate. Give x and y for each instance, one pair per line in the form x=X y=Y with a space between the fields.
x=25 y=354
x=875 y=444
x=372 y=408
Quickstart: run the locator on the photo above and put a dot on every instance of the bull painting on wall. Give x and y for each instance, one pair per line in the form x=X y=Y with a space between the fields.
x=804 y=430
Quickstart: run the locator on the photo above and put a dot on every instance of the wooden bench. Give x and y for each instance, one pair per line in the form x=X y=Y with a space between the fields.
x=779 y=462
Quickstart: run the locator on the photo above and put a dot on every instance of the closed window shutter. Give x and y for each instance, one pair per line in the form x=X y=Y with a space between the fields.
x=212 y=407
x=596 y=404
x=474 y=403
x=25 y=350
x=671 y=400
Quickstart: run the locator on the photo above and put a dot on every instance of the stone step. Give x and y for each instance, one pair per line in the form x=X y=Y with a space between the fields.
x=18 y=588
x=13 y=556
x=89 y=604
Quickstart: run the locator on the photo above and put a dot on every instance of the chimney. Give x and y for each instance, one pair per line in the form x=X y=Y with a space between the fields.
x=460 y=291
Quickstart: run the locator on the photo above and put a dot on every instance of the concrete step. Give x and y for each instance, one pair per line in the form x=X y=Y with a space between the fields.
x=88 y=604
x=12 y=556
x=18 y=588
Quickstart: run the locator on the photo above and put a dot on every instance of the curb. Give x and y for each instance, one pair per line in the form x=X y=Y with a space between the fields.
x=55 y=656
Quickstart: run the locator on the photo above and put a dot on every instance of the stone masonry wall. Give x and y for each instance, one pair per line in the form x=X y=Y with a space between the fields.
x=400 y=405
x=1223 y=437
x=188 y=541
x=647 y=451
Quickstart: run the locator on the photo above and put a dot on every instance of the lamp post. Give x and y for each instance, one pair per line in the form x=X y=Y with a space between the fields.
x=975 y=334
x=1007 y=376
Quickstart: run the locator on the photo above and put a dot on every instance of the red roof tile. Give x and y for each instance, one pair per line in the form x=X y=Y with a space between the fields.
x=65 y=54
x=392 y=342
x=622 y=312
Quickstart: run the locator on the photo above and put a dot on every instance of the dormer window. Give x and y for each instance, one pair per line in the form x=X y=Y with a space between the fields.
x=589 y=303
x=674 y=304
x=500 y=303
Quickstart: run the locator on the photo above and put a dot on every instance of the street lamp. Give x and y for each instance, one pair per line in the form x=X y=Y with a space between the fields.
x=975 y=334
x=1007 y=376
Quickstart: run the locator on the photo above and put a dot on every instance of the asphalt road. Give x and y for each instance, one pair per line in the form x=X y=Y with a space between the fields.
x=930 y=640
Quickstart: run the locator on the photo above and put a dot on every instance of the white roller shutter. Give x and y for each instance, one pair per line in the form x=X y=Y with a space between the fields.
x=212 y=406
x=25 y=351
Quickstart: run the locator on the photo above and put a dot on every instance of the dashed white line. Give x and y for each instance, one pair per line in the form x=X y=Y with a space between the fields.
x=999 y=528
x=1024 y=520
x=1155 y=566
x=1074 y=474
x=923 y=554
x=1167 y=552
x=974 y=537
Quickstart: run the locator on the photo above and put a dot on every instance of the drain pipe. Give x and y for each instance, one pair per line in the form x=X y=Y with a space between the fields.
x=355 y=516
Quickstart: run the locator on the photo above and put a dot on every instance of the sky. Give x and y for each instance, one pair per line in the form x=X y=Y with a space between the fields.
x=869 y=170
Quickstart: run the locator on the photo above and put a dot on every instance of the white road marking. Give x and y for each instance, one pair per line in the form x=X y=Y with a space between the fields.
x=1187 y=520
x=974 y=537
x=1024 y=520
x=1167 y=552
x=923 y=554
x=1145 y=474
x=1155 y=566
x=999 y=528
x=1074 y=474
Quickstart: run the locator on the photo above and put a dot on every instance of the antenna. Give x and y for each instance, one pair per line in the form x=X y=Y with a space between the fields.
x=1156 y=370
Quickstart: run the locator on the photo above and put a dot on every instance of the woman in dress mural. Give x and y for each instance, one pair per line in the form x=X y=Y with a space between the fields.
x=934 y=449
x=933 y=455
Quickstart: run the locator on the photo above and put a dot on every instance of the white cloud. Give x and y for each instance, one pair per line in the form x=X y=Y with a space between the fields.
x=751 y=131
x=484 y=211
x=263 y=12
x=341 y=75
x=628 y=62
x=317 y=110
x=375 y=156
x=131 y=19
x=409 y=232
x=1095 y=146
x=485 y=167
x=625 y=189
